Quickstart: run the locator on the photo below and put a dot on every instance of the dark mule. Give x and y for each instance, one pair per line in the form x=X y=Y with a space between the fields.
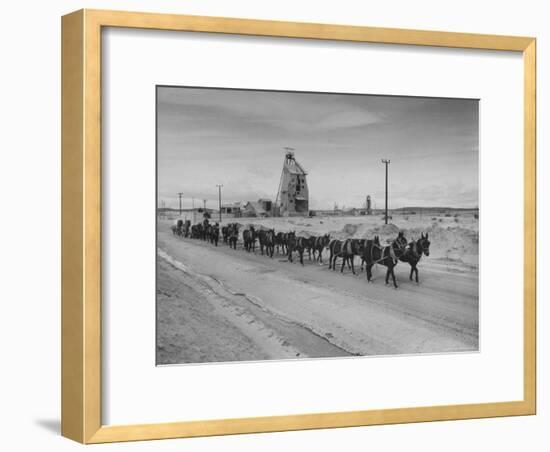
x=261 y=240
x=335 y=248
x=270 y=242
x=186 y=228
x=399 y=244
x=196 y=231
x=205 y=229
x=388 y=256
x=266 y=239
x=320 y=243
x=214 y=234
x=233 y=235
x=414 y=252
x=286 y=237
x=179 y=228
x=280 y=242
x=346 y=250
x=310 y=246
x=355 y=248
x=249 y=239
x=225 y=233
x=296 y=244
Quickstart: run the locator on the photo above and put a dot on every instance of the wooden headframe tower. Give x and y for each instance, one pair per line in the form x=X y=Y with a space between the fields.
x=293 y=194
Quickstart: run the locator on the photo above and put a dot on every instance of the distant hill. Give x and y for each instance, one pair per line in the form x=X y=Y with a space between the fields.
x=196 y=209
x=436 y=208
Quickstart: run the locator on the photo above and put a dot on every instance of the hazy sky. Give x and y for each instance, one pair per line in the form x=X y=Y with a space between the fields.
x=236 y=138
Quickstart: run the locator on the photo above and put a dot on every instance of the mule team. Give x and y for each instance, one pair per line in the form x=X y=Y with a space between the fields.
x=370 y=251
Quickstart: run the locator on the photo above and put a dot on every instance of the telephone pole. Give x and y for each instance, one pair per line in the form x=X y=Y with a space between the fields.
x=180 y=195
x=386 y=162
x=220 y=199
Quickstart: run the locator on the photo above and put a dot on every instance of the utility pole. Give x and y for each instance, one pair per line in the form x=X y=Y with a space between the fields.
x=220 y=199
x=180 y=195
x=386 y=162
x=194 y=219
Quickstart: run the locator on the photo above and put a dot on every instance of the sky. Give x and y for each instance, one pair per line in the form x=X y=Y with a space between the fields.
x=237 y=138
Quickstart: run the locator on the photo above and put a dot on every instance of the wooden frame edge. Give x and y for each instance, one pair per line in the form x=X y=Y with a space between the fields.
x=530 y=227
x=307 y=30
x=72 y=231
x=81 y=225
x=270 y=424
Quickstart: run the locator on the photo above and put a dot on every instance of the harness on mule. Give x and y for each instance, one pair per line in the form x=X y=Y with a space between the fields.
x=413 y=250
x=391 y=254
x=345 y=248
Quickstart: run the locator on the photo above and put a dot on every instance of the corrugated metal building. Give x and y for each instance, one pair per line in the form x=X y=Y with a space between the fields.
x=254 y=209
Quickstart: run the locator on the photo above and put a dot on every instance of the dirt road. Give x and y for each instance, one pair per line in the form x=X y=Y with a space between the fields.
x=218 y=304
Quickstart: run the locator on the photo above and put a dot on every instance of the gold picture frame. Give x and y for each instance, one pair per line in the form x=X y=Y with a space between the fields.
x=81 y=226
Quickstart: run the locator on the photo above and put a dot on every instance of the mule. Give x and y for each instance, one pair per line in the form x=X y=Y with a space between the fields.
x=347 y=250
x=225 y=233
x=205 y=229
x=320 y=244
x=310 y=245
x=233 y=235
x=179 y=228
x=286 y=237
x=261 y=240
x=296 y=244
x=414 y=252
x=355 y=248
x=280 y=242
x=214 y=234
x=186 y=228
x=249 y=239
x=266 y=239
x=196 y=231
x=335 y=248
x=400 y=244
x=388 y=256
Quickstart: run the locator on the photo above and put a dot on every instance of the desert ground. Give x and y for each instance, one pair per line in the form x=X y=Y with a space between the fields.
x=217 y=304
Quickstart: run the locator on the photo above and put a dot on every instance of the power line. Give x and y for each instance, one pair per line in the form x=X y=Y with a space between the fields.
x=386 y=162
x=180 y=195
x=220 y=199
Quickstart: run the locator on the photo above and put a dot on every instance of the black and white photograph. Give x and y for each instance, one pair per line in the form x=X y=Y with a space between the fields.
x=303 y=225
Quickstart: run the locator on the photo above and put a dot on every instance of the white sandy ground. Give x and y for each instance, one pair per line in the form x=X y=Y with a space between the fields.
x=218 y=304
